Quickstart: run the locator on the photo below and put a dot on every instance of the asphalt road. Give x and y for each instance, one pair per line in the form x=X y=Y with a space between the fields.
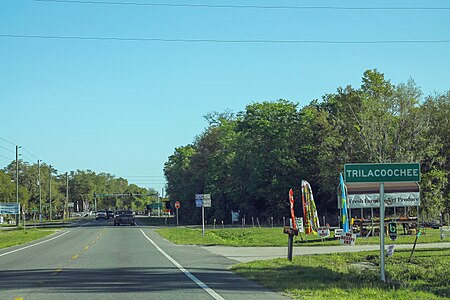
x=99 y=261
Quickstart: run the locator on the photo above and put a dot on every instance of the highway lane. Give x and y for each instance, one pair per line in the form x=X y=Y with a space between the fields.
x=100 y=261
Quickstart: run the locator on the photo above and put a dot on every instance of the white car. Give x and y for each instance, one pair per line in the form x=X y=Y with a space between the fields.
x=101 y=214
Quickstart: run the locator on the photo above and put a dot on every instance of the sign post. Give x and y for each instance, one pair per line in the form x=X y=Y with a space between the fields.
x=203 y=200
x=177 y=206
x=395 y=172
x=382 y=268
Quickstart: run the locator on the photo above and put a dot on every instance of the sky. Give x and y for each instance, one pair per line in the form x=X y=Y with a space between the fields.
x=116 y=86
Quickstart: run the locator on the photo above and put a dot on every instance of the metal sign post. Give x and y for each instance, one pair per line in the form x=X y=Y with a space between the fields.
x=382 y=272
x=381 y=173
x=203 y=200
x=203 y=221
x=177 y=206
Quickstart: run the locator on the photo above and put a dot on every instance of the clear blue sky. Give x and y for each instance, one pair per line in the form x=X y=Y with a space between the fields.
x=123 y=106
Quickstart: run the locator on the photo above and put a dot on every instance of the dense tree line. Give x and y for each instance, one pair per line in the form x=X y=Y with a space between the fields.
x=82 y=185
x=249 y=160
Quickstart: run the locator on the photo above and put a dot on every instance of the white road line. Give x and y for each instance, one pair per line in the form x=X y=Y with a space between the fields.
x=186 y=272
x=20 y=249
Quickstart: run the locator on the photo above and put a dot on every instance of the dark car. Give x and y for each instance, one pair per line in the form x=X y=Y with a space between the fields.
x=124 y=217
x=109 y=214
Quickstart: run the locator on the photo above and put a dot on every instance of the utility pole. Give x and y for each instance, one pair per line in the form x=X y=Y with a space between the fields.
x=50 y=190
x=17 y=185
x=40 y=192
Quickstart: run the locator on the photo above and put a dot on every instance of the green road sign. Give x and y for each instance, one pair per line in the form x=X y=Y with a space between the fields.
x=408 y=172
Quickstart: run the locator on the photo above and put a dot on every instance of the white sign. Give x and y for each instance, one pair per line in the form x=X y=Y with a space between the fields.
x=323 y=232
x=338 y=233
x=299 y=223
x=348 y=239
x=390 y=250
x=205 y=198
x=390 y=200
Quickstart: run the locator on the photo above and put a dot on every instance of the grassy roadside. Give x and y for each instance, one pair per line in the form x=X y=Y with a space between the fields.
x=333 y=276
x=273 y=237
x=15 y=237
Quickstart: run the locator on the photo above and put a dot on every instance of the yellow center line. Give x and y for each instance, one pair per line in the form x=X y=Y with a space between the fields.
x=20 y=298
x=75 y=256
x=85 y=248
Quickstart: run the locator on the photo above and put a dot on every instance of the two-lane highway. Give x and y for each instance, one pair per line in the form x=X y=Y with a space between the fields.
x=100 y=261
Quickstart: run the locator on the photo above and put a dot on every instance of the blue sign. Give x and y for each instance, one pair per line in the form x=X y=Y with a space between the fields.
x=9 y=208
x=199 y=203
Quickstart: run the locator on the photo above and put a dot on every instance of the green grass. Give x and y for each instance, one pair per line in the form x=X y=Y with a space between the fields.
x=273 y=237
x=10 y=238
x=332 y=276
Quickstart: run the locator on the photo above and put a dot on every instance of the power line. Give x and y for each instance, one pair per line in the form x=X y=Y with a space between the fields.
x=228 y=6
x=30 y=153
x=243 y=41
x=11 y=159
x=29 y=159
x=7 y=149
x=8 y=141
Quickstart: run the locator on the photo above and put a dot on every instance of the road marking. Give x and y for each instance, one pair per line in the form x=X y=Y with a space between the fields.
x=57 y=271
x=186 y=272
x=26 y=247
x=75 y=256
x=85 y=248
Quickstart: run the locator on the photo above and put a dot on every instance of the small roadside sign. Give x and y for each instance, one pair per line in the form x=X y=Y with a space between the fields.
x=338 y=233
x=299 y=222
x=393 y=231
x=177 y=205
x=205 y=198
x=390 y=250
x=9 y=208
x=323 y=232
x=348 y=239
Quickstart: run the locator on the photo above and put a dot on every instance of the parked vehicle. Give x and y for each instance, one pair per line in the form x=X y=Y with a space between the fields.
x=101 y=214
x=109 y=214
x=124 y=217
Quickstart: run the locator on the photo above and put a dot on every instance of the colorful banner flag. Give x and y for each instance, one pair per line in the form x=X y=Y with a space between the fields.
x=291 y=201
x=344 y=215
x=310 y=215
x=306 y=222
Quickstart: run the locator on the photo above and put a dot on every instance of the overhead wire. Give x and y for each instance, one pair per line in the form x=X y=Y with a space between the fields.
x=237 y=41
x=7 y=149
x=23 y=148
x=8 y=141
x=243 y=6
x=11 y=159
